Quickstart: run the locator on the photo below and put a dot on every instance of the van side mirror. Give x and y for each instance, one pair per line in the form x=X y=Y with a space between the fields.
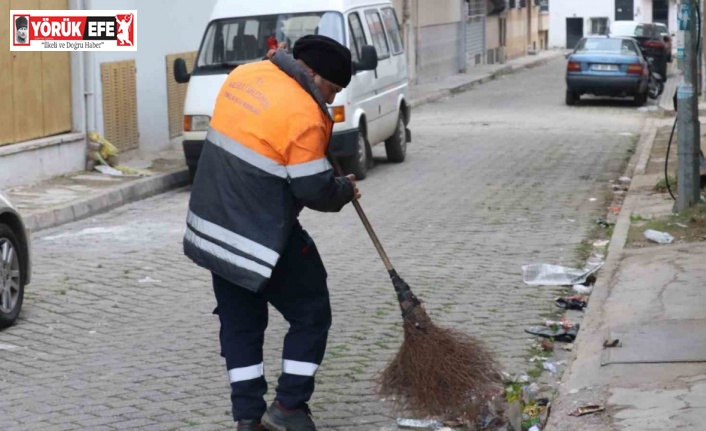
x=368 y=59
x=180 y=74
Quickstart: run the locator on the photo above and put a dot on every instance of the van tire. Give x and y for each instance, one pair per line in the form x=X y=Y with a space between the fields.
x=396 y=145
x=358 y=164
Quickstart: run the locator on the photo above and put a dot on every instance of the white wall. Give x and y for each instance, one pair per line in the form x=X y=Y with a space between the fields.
x=163 y=27
x=559 y=10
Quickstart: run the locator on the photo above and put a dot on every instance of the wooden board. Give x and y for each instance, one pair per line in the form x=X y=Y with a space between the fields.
x=120 y=104
x=7 y=106
x=176 y=93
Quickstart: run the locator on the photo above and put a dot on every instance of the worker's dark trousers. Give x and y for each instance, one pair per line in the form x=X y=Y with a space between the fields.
x=298 y=291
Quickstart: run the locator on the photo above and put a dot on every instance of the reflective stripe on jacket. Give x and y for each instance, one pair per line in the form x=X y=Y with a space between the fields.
x=264 y=159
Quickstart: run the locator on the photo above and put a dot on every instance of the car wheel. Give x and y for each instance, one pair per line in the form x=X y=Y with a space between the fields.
x=11 y=277
x=640 y=99
x=396 y=145
x=572 y=97
x=358 y=164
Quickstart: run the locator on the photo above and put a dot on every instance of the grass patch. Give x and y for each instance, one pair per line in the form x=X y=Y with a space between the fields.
x=661 y=186
x=689 y=226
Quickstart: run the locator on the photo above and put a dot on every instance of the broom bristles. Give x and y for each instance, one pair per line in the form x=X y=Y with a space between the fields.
x=440 y=372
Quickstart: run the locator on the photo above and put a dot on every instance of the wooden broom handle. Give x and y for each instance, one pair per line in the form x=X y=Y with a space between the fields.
x=366 y=223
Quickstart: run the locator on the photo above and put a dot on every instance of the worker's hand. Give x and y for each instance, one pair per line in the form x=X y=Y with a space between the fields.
x=356 y=192
x=271 y=53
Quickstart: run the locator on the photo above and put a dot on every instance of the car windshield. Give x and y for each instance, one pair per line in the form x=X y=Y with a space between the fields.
x=245 y=39
x=628 y=30
x=605 y=45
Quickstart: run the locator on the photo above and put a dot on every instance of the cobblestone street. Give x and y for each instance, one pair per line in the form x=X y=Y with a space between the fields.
x=117 y=332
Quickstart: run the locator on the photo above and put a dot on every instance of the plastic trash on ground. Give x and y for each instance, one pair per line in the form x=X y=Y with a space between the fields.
x=554 y=275
x=659 y=237
x=419 y=424
x=583 y=290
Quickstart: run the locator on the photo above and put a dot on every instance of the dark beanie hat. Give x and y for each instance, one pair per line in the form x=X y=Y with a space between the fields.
x=326 y=57
x=21 y=22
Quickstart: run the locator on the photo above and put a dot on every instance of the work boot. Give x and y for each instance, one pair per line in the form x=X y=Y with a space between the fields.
x=277 y=418
x=250 y=425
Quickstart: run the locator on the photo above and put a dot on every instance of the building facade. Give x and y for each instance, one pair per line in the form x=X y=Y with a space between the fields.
x=571 y=20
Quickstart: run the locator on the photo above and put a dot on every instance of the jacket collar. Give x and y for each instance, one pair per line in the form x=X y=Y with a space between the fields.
x=289 y=66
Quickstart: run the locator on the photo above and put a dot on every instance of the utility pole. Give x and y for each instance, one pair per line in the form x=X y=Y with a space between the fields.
x=687 y=108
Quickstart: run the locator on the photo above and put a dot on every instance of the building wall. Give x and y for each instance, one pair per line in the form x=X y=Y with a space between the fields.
x=516 y=33
x=559 y=10
x=492 y=32
x=164 y=27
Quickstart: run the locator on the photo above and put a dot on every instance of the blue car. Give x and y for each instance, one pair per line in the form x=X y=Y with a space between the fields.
x=607 y=66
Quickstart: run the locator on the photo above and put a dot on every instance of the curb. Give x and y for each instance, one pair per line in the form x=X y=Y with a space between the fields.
x=125 y=194
x=594 y=314
x=504 y=71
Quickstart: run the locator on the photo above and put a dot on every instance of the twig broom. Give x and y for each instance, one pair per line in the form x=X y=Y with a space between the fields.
x=438 y=372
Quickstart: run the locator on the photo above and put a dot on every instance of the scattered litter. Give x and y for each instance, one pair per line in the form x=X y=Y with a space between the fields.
x=625 y=179
x=587 y=410
x=149 y=280
x=681 y=225
x=574 y=391
x=107 y=170
x=593 y=199
x=550 y=367
x=626 y=134
x=567 y=347
x=427 y=424
x=563 y=323
x=603 y=222
x=547 y=346
x=615 y=210
x=583 y=290
x=571 y=303
x=542 y=402
x=558 y=334
x=534 y=428
x=4 y=346
x=91 y=332
x=572 y=220
x=650 y=108
x=529 y=392
x=602 y=243
x=607 y=344
x=659 y=237
x=554 y=275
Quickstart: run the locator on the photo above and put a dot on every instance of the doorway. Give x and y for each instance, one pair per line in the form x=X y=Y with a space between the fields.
x=574 y=32
x=624 y=10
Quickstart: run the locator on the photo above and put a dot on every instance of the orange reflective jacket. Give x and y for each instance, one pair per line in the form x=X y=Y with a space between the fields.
x=263 y=160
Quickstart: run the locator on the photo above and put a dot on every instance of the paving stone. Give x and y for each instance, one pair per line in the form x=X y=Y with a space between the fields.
x=490 y=183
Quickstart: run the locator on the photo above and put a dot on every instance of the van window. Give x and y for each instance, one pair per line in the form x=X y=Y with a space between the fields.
x=245 y=39
x=378 y=33
x=393 y=29
x=358 y=40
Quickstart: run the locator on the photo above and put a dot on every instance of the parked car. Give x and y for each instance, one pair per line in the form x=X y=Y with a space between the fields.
x=374 y=108
x=15 y=271
x=607 y=66
x=667 y=37
x=649 y=38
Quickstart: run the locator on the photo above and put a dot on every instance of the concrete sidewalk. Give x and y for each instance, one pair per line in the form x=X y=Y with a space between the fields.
x=80 y=195
x=652 y=298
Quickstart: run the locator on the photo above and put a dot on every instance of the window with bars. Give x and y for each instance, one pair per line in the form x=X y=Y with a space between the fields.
x=476 y=7
x=599 y=26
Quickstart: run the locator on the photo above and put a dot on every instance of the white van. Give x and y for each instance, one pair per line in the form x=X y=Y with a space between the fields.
x=374 y=108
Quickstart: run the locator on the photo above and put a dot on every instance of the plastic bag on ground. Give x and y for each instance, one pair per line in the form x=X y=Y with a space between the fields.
x=554 y=275
x=659 y=237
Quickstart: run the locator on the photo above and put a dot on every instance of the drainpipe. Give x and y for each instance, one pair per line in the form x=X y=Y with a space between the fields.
x=89 y=81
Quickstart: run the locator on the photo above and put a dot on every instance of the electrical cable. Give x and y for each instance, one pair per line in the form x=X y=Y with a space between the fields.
x=669 y=145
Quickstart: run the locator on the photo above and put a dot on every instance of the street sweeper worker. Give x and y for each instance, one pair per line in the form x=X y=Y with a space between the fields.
x=263 y=161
